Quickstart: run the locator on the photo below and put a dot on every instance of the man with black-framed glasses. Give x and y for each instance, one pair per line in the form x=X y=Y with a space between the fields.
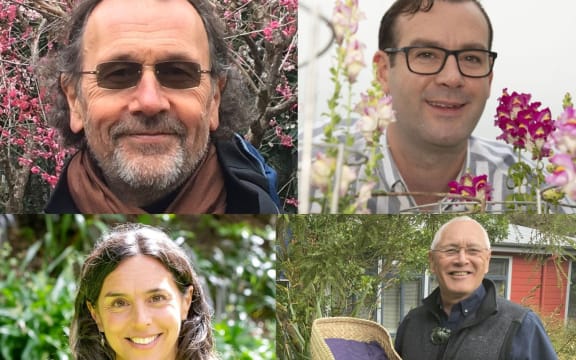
x=464 y=318
x=435 y=59
x=146 y=92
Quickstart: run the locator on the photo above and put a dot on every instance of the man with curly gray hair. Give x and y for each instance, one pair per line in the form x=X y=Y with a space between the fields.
x=146 y=93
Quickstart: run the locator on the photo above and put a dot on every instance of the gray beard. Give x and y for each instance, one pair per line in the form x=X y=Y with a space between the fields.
x=152 y=173
x=132 y=173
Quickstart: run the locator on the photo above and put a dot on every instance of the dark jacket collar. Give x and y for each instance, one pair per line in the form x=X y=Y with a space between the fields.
x=248 y=191
x=485 y=295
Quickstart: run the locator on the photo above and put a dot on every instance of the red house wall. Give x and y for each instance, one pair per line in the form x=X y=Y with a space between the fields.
x=540 y=287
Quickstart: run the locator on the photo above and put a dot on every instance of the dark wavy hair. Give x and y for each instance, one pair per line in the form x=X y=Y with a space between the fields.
x=124 y=241
x=387 y=32
x=234 y=112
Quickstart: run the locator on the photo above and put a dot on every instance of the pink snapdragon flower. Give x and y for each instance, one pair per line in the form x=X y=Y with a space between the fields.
x=345 y=19
x=322 y=174
x=523 y=124
x=376 y=114
x=354 y=60
x=563 y=163
x=474 y=186
x=364 y=194
x=564 y=174
x=564 y=139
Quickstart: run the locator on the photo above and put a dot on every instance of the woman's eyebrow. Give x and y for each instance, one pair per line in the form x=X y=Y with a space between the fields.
x=116 y=294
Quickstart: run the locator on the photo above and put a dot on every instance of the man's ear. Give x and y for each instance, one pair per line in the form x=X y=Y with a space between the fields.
x=76 y=120
x=488 y=261
x=381 y=61
x=186 y=302
x=95 y=316
x=215 y=106
x=431 y=264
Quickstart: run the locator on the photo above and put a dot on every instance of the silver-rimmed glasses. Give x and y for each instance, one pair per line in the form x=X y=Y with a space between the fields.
x=453 y=251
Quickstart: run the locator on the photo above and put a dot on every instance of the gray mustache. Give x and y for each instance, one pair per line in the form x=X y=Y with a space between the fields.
x=141 y=124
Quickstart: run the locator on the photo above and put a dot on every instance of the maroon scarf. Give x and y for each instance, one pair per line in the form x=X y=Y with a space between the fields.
x=203 y=193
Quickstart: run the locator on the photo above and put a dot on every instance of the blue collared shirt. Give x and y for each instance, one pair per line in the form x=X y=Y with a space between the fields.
x=463 y=309
x=530 y=342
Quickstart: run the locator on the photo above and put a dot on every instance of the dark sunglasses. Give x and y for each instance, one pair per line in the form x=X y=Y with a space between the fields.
x=126 y=74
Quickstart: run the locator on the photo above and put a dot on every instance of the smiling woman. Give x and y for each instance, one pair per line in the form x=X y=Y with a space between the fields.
x=139 y=298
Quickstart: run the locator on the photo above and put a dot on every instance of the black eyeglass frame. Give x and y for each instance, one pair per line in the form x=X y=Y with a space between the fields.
x=491 y=54
x=141 y=67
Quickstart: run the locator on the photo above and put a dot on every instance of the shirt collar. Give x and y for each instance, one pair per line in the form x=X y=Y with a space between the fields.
x=471 y=303
x=393 y=180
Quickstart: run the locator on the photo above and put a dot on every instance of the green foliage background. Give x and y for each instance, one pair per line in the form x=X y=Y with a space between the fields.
x=40 y=256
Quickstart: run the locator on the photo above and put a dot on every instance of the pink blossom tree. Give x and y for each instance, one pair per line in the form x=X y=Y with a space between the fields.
x=30 y=156
x=264 y=46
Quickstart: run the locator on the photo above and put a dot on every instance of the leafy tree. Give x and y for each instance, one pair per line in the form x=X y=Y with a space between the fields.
x=333 y=265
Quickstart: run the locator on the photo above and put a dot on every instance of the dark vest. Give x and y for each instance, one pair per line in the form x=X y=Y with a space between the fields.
x=485 y=335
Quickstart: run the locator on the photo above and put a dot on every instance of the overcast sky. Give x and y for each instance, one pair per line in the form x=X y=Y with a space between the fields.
x=535 y=41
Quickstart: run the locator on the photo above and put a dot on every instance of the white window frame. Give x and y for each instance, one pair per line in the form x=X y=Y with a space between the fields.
x=569 y=284
x=508 y=272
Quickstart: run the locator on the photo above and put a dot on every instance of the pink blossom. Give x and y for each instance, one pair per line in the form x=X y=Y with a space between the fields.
x=474 y=186
x=289 y=30
x=11 y=13
x=564 y=174
x=364 y=194
x=278 y=130
x=291 y=4
x=523 y=124
x=539 y=130
x=286 y=141
x=345 y=19
x=322 y=174
x=376 y=113
x=285 y=90
x=321 y=171
x=354 y=60
x=24 y=162
x=50 y=179
x=269 y=29
x=292 y=201
x=564 y=138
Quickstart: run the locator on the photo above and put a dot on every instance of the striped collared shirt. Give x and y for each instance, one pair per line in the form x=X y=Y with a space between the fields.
x=484 y=157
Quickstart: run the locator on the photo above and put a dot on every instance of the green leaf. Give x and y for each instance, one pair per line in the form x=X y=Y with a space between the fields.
x=30 y=254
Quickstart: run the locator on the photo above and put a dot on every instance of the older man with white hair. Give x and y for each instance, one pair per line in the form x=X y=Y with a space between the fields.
x=464 y=318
